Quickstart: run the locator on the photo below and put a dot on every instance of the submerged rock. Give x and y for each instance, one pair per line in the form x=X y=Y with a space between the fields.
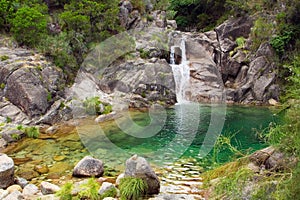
x=6 y=171
x=138 y=167
x=88 y=167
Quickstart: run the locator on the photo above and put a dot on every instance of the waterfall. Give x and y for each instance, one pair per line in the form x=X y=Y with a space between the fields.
x=181 y=72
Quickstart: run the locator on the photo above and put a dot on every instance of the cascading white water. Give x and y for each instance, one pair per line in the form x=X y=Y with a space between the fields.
x=181 y=72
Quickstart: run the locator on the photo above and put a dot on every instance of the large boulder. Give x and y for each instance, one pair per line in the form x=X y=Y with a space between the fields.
x=138 y=167
x=25 y=90
x=88 y=167
x=6 y=171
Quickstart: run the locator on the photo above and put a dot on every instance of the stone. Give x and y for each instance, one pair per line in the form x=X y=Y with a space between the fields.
x=13 y=188
x=119 y=179
x=276 y=161
x=105 y=187
x=52 y=130
x=28 y=174
x=16 y=195
x=25 y=90
x=6 y=171
x=41 y=169
x=231 y=29
x=9 y=135
x=21 y=182
x=138 y=167
x=3 y=193
x=88 y=167
x=59 y=158
x=30 y=190
x=49 y=188
x=49 y=197
x=3 y=143
x=273 y=102
x=259 y=157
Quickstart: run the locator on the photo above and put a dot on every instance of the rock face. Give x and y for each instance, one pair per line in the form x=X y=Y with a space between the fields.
x=88 y=167
x=221 y=69
x=138 y=167
x=29 y=83
x=6 y=171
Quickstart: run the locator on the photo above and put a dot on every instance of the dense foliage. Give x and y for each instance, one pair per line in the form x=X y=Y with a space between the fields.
x=62 y=30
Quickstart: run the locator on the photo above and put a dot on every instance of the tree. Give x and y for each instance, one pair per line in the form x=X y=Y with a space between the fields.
x=28 y=26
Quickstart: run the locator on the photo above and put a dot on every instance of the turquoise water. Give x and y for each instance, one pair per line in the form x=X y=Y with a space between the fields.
x=188 y=132
x=180 y=136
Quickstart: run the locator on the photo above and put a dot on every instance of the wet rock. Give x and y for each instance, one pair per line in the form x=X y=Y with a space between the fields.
x=13 y=188
x=105 y=187
x=16 y=195
x=28 y=174
x=59 y=158
x=52 y=130
x=6 y=171
x=59 y=168
x=88 y=166
x=138 y=167
x=21 y=182
x=30 y=190
x=49 y=188
x=41 y=169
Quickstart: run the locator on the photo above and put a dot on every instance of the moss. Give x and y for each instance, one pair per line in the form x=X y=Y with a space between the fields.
x=4 y=57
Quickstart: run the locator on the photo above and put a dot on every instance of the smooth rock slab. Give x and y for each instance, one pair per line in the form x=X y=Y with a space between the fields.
x=49 y=188
x=88 y=167
x=6 y=171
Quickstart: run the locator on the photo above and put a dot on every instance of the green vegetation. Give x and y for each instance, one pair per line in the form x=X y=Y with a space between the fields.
x=93 y=106
x=65 y=193
x=4 y=57
x=28 y=26
x=132 y=188
x=32 y=132
x=2 y=86
x=112 y=192
x=89 y=190
x=62 y=30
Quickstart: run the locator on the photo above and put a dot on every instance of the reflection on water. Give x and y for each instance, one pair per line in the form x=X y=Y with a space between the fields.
x=185 y=128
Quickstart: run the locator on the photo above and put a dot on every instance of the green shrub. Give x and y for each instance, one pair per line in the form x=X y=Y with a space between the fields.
x=65 y=193
x=32 y=132
x=58 y=47
x=132 y=188
x=112 y=192
x=29 y=26
x=89 y=190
